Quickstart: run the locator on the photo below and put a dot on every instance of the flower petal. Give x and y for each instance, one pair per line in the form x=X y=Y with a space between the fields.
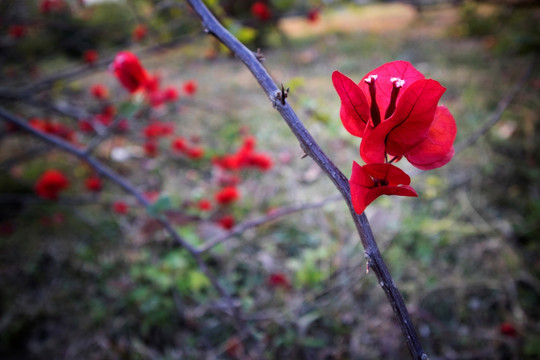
x=389 y=172
x=437 y=148
x=407 y=127
x=395 y=69
x=354 y=110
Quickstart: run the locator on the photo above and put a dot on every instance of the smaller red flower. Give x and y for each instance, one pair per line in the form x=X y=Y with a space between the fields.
x=158 y=129
x=99 y=91
x=261 y=11
x=50 y=184
x=85 y=126
x=151 y=149
x=170 y=94
x=179 y=144
x=313 y=15
x=139 y=32
x=123 y=125
x=120 y=207
x=47 y=6
x=17 y=31
x=370 y=181
x=129 y=71
x=93 y=184
x=204 y=205
x=195 y=152
x=90 y=56
x=227 y=195
x=276 y=280
x=190 y=87
x=508 y=329
x=226 y=222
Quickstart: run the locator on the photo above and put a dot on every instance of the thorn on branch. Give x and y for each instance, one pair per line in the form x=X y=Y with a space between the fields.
x=279 y=95
x=259 y=55
x=304 y=156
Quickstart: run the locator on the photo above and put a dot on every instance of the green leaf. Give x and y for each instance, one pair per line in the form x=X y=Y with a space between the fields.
x=162 y=204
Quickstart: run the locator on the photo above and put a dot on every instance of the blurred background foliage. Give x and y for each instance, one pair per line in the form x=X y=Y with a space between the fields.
x=82 y=282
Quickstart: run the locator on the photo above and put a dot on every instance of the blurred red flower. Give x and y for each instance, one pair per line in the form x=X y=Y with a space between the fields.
x=53 y=128
x=128 y=70
x=139 y=32
x=150 y=148
x=370 y=181
x=204 y=205
x=226 y=222
x=313 y=15
x=179 y=144
x=190 y=87
x=99 y=91
x=47 y=6
x=50 y=184
x=158 y=129
x=508 y=329
x=120 y=207
x=261 y=11
x=17 y=31
x=93 y=184
x=90 y=56
x=279 y=280
x=194 y=152
x=227 y=195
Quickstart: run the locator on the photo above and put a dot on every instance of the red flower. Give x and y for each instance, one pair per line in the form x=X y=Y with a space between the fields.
x=120 y=207
x=190 y=87
x=85 y=126
x=195 y=152
x=93 y=184
x=170 y=94
x=139 y=32
x=158 y=129
x=17 y=31
x=226 y=222
x=99 y=91
x=394 y=109
x=279 y=280
x=129 y=71
x=508 y=329
x=90 y=56
x=313 y=15
x=151 y=149
x=49 y=185
x=204 y=205
x=261 y=11
x=53 y=128
x=370 y=181
x=179 y=144
x=245 y=157
x=47 y=6
x=227 y=195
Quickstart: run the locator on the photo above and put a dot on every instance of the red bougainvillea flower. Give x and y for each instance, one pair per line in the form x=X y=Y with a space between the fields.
x=128 y=70
x=120 y=207
x=90 y=56
x=17 y=31
x=190 y=87
x=99 y=91
x=508 y=329
x=170 y=94
x=53 y=128
x=50 y=184
x=227 y=195
x=370 y=181
x=245 y=157
x=313 y=15
x=394 y=109
x=279 y=280
x=226 y=222
x=93 y=184
x=139 y=32
x=158 y=129
x=151 y=148
x=194 y=152
x=179 y=144
x=204 y=205
x=47 y=6
x=261 y=11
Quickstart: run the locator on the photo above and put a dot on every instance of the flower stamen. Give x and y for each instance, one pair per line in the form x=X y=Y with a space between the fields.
x=375 y=113
x=397 y=84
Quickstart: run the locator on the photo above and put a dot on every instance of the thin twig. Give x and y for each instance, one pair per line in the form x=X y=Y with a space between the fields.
x=240 y=228
x=499 y=110
x=310 y=146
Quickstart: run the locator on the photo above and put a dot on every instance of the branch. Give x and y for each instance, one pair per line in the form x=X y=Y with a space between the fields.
x=105 y=171
x=240 y=228
x=311 y=148
x=499 y=110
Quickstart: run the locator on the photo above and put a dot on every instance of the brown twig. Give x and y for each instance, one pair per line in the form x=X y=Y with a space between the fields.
x=310 y=146
x=240 y=228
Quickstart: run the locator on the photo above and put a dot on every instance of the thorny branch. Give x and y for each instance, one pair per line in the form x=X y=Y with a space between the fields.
x=312 y=149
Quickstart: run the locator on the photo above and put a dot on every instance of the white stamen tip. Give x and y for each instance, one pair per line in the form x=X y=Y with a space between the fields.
x=370 y=78
x=397 y=82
